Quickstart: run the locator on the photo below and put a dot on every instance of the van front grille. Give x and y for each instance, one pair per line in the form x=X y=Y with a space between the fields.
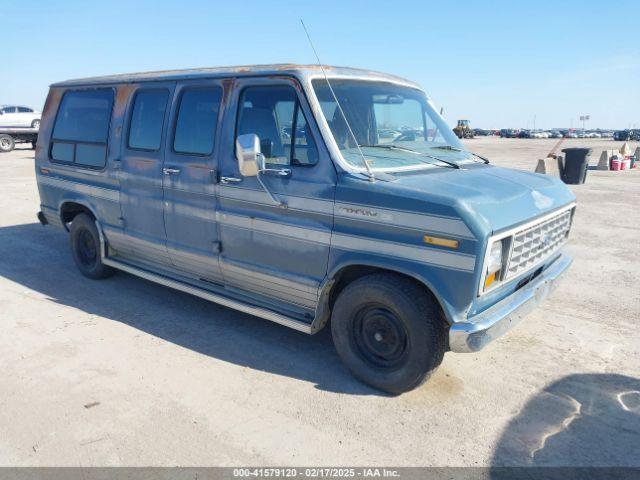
x=534 y=244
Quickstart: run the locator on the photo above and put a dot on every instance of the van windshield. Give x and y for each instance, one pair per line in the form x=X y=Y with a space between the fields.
x=395 y=127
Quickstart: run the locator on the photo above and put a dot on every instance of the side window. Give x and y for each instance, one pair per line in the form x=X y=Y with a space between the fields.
x=197 y=121
x=147 y=118
x=24 y=110
x=9 y=110
x=275 y=116
x=304 y=150
x=81 y=129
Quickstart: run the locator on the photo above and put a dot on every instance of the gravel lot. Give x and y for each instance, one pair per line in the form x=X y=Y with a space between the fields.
x=126 y=372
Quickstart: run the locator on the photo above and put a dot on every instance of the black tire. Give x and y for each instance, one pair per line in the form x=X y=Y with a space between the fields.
x=85 y=248
x=7 y=143
x=388 y=332
x=36 y=124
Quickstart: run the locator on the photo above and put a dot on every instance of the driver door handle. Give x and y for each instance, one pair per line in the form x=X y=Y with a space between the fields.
x=230 y=180
x=171 y=171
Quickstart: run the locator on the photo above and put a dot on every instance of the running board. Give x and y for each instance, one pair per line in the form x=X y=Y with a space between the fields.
x=212 y=297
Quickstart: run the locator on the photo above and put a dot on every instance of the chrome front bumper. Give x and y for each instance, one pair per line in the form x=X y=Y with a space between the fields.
x=479 y=330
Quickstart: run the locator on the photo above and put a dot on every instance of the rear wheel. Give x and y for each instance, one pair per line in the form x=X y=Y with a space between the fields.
x=85 y=247
x=7 y=143
x=388 y=332
x=35 y=124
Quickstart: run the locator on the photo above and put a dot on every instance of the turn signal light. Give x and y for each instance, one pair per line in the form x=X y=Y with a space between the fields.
x=441 y=242
x=489 y=280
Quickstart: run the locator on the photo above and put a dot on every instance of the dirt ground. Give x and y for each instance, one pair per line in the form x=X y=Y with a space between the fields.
x=126 y=372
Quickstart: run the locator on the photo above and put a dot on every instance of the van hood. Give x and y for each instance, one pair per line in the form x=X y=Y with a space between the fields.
x=494 y=198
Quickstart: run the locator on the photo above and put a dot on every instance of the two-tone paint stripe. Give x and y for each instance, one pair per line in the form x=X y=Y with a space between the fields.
x=275 y=228
x=303 y=204
x=451 y=226
x=426 y=255
x=112 y=195
x=398 y=218
x=296 y=291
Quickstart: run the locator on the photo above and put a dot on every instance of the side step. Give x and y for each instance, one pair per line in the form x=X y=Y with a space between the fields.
x=212 y=297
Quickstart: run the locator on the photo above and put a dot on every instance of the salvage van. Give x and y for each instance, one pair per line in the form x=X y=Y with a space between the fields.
x=304 y=195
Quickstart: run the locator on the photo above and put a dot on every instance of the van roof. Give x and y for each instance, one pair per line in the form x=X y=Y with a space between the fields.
x=300 y=71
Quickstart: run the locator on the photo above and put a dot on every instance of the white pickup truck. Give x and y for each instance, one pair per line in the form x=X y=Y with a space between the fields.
x=10 y=136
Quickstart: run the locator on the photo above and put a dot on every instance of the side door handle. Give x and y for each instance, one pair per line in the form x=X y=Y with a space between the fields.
x=230 y=180
x=171 y=171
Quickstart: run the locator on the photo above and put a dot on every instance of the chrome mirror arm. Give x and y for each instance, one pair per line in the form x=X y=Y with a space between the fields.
x=284 y=172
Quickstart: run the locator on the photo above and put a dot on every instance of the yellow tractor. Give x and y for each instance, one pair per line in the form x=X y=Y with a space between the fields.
x=463 y=129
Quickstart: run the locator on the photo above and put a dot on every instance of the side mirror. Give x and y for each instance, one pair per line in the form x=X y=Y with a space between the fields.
x=252 y=163
x=249 y=156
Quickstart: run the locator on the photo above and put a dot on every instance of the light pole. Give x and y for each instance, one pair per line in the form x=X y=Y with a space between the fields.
x=584 y=118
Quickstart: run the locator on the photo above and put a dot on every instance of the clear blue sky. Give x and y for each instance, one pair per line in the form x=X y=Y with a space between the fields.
x=498 y=63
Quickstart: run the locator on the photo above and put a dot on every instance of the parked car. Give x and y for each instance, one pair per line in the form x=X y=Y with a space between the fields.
x=555 y=134
x=626 y=135
x=538 y=134
x=622 y=135
x=509 y=133
x=184 y=178
x=524 y=134
x=19 y=116
x=388 y=133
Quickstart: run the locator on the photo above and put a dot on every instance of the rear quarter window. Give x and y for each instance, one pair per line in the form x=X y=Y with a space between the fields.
x=81 y=129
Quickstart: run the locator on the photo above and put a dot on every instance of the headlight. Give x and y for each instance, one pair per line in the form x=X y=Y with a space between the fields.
x=494 y=264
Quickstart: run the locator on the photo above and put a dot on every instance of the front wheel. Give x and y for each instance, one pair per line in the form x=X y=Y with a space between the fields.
x=36 y=124
x=388 y=332
x=85 y=248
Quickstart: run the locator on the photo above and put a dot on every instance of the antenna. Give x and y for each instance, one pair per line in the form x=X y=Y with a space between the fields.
x=333 y=94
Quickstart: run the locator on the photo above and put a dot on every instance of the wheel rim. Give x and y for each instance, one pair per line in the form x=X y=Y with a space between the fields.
x=36 y=124
x=87 y=251
x=5 y=143
x=379 y=337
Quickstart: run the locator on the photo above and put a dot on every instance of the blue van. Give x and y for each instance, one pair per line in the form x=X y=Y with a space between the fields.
x=303 y=195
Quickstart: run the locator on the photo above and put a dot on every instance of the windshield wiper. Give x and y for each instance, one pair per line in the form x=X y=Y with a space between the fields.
x=403 y=149
x=456 y=149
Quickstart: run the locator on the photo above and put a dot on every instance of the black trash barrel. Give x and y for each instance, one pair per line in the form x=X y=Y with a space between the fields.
x=576 y=164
